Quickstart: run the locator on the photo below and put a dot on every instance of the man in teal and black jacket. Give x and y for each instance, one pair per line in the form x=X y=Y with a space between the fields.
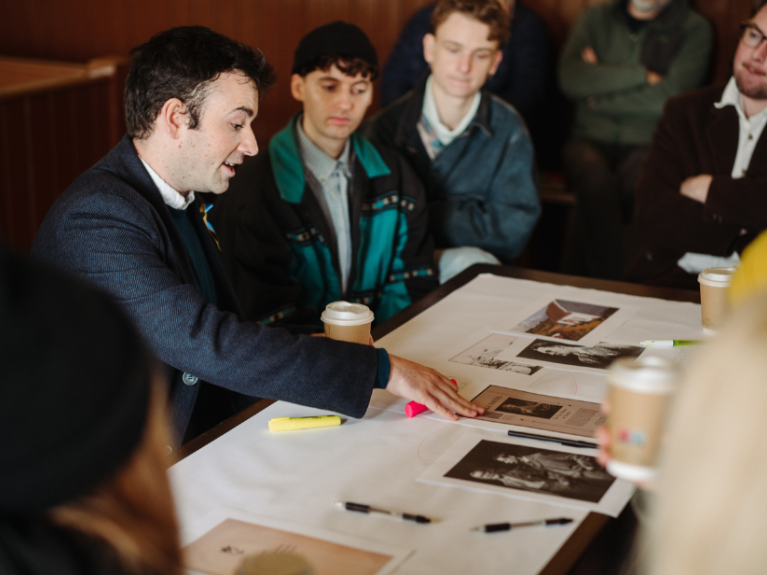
x=325 y=215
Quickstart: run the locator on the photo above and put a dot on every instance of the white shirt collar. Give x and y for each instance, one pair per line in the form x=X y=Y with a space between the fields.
x=731 y=97
x=443 y=133
x=170 y=196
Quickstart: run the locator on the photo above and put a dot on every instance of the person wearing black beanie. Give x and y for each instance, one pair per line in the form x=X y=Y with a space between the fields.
x=365 y=209
x=78 y=418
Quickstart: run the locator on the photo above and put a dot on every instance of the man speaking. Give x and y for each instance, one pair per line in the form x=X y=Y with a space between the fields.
x=131 y=224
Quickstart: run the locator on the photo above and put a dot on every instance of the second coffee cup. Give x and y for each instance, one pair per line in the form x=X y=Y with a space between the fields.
x=346 y=321
x=714 y=306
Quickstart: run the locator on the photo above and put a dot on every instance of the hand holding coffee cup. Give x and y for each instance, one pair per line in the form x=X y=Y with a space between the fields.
x=346 y=321
x=640 y=390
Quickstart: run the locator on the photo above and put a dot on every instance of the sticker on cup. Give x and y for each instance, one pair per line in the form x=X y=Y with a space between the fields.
x=346 y=321
x=640 y=390
x=714 y=306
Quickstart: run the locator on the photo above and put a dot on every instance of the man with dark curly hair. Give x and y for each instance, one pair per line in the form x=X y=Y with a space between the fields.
x=132 y=225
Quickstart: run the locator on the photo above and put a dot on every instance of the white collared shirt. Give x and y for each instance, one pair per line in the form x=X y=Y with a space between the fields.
x=750 y=128
x=333 y=176
x=170 y=196
x=443 y=133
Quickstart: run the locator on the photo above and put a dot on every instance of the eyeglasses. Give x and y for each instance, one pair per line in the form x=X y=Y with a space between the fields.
x=751 y=35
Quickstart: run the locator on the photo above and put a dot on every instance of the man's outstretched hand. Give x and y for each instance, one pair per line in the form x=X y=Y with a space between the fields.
x=428 y=387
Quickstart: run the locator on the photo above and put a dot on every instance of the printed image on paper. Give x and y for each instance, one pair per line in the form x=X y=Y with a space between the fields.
x=514 y=407
x=221 y=550
x=599 y=356
x=565 y=319
x=543 y=471
x=484 y=354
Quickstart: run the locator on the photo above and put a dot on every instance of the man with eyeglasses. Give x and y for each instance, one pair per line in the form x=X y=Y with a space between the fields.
x=702 y=196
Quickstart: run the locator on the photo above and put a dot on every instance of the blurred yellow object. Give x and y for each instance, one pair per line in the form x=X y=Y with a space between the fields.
x=751 y=277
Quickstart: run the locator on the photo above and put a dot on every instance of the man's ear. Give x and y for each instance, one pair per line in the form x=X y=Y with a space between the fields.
x=429 y=46
x=297 y=87
x=496 y=62
x=172 y=118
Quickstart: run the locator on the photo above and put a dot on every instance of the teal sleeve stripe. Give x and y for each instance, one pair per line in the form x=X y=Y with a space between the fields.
x=369 y=157
x=286 y=164
x=384 y=368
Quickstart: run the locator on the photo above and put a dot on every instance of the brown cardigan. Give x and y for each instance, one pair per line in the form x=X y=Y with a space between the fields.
x=692 y=138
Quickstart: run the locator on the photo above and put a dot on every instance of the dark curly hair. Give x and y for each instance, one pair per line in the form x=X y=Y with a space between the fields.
x=182 y=63
x=349 y=66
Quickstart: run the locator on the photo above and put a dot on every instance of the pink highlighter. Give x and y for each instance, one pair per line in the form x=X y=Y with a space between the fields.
x=412 y=409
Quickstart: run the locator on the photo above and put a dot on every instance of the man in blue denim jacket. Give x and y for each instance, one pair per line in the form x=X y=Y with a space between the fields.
x=471 y=150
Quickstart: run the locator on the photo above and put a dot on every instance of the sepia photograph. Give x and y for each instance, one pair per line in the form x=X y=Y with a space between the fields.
x=516 y=407
x=484 y=354
x=221 y=550
x=564 y=319
x=599 y=356
x=569 y=475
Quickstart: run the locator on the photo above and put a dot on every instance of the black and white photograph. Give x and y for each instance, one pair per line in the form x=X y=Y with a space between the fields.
x=569 y=475
x=599 y=356
x=530 y=408
x=484 y=354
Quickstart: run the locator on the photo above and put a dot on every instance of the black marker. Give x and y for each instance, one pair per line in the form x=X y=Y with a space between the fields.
x=567 y=442
x=509 y=526
x=359 y=507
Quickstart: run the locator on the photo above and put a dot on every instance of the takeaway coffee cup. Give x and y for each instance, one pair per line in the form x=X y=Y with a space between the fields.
x=713 y=297
x=640 y=390
x=347 y=321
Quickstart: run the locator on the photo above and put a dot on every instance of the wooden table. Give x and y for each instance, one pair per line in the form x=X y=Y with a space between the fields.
x=576 y=545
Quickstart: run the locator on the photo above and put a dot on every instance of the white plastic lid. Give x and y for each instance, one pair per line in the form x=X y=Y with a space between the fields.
x=716 y=277
x=631 y=472
x=347 y=313
x=645 y=375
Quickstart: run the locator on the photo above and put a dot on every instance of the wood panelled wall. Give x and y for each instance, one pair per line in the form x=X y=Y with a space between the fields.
x=47 y=139
x=79 y=30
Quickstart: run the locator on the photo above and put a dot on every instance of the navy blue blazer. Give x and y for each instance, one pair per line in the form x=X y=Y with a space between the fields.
x=112 y=228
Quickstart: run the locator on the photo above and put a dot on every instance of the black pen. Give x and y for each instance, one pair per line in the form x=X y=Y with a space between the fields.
x=509 y=526
x=567 y=442
x=359 y=507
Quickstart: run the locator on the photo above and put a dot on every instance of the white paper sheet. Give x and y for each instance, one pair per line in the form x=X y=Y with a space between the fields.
x=477 y=306
x=571 y=482
x=295 y=477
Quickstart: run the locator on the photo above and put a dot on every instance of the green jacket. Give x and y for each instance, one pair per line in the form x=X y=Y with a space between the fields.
x=280 y=251
x=613 y=101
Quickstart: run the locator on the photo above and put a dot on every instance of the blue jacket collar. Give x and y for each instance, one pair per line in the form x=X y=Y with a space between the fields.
x=288 y=169
x=411 y=114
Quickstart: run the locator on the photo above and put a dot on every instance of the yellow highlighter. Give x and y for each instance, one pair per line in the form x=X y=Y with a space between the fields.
x=293 y=423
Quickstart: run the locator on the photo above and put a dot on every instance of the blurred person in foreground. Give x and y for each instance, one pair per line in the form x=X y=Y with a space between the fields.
x=706 y=509
x=83 y=435
x=708 y=516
